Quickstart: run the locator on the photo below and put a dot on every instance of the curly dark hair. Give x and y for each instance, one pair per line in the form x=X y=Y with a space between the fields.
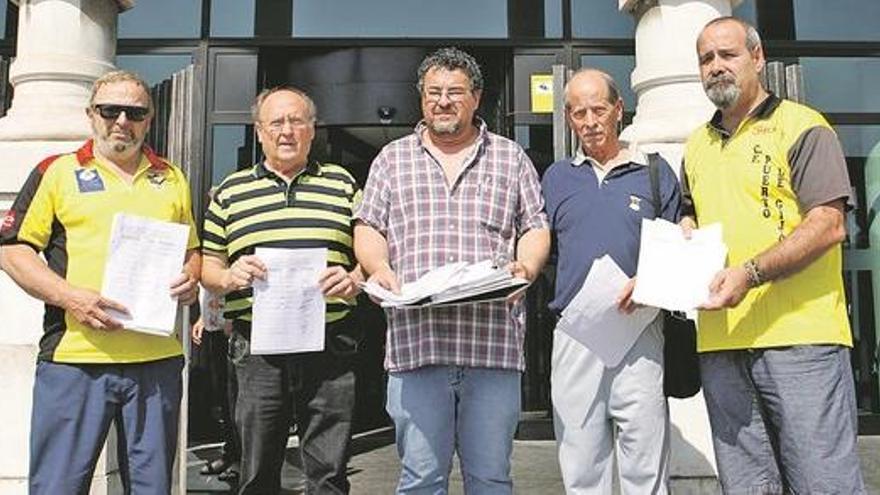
x=451 y=58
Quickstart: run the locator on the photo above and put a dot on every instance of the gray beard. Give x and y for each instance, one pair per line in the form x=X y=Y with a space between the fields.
x=723 y=95
x=450 y=128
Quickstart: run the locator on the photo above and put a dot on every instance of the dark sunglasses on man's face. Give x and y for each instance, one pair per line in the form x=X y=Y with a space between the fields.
x=111 y=112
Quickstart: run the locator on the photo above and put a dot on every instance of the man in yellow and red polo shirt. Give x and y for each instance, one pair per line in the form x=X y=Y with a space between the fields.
x=91 y=371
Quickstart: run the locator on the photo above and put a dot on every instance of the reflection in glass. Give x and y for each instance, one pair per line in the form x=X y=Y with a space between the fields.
x=232 y=150
x=620 y=67
x=746 y=11
x=232 y=18
x=153 y=68
x=845 y=84
x=162 y=19
x=553 y=18
x=844 y=20
x=413 y=18
x=4 y=5
x=600 y=19
x=859 y=140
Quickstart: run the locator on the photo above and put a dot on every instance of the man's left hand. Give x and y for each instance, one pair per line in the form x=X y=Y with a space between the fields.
x=185 y=288
x=727 y=289
x=518 y=269
x=625 y=304
x=335 y=281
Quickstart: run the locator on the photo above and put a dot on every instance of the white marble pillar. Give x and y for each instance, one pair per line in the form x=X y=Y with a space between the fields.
x=671 y=104
x=62 y=47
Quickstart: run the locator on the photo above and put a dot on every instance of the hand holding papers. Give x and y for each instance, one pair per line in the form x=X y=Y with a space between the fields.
x=137 y=243
x=288 y=311
x=455 y=283
x=593 y=319
x=674 y=273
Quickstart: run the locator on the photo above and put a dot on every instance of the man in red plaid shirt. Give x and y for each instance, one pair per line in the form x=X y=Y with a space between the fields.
x=452 y=191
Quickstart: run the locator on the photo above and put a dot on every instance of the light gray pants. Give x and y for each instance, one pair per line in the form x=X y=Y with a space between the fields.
x=596 y=408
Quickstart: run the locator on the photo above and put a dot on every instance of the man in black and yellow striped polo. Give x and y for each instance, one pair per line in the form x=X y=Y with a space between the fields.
x=287 y=201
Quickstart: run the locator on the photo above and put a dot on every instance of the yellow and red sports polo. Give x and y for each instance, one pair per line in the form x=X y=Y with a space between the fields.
x=65 y=210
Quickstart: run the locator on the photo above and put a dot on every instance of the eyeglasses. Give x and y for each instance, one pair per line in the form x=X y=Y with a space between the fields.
x=455 y=95
x=277 y=125
x=110 y=111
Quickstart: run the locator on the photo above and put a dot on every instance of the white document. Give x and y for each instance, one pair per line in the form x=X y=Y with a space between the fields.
x=674 y=273
x=288 y=311
x=144 y=258
x=592 y=317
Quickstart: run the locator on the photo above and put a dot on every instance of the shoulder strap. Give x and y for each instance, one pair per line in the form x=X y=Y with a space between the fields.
x=654 y=173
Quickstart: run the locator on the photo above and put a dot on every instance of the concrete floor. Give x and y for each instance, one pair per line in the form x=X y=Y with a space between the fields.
x=374 y=468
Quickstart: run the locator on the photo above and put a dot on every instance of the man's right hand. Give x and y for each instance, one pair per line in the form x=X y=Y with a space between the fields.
x=387 y=279
x=242 y=273
x=688 y=225
x=88 y=307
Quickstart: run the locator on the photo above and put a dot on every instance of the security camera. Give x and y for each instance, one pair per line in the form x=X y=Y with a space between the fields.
x=386 y=113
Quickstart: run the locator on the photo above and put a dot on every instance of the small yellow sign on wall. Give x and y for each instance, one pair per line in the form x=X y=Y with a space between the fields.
x=542 y=93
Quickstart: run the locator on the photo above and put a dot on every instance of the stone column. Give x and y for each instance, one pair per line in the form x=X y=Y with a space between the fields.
x=62 y=47
x=671 y=104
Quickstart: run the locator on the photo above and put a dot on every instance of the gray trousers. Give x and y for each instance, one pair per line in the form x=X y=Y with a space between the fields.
x=596 y=409
x=783 y=420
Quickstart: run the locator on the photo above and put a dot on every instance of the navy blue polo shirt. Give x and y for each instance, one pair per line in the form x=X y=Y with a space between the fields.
x=590 y=219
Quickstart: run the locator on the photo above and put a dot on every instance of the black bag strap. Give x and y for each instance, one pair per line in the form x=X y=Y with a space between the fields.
x=654 y=173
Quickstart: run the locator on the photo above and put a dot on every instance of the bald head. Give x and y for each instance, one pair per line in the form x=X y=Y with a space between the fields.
x=589 y=75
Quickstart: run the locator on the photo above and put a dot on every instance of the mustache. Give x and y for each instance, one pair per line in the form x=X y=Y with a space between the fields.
x=720 y=79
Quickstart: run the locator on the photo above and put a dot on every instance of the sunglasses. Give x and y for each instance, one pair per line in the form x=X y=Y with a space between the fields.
x=111 y=112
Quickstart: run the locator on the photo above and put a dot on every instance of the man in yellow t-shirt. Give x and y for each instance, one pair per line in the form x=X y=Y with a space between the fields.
x=773 y=337
x=90 y=370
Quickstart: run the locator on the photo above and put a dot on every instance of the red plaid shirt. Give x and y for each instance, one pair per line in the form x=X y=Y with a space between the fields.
x=495 y=199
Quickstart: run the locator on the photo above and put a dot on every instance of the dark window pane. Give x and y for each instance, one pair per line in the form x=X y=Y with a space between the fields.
x=232 y=18
x=859 y=140
x=162 y=19
x=553 y=18
x=847 y=84
x=746 y=12
x=600 y=19
x=620 y=67
x=412 y=18
x=232 y=150
x=4 y=5
x=845 y=20
x=153 y=68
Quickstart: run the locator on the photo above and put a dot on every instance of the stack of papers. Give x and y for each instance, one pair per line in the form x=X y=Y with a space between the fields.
x=592 y=317
x=674 y=273
x=136 y=243
x=455 y=283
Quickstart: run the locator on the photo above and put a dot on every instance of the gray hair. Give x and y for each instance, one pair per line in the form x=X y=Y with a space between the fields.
x=451 y=58
x=311 y=109
x=117 y=76
x=753 y=39
x=613 y=91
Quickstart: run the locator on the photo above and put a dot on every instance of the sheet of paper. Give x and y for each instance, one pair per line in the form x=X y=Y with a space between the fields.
x=431 y=282
x=288 y=311
x=144 y=258
x=674 y=273
x=592 y=317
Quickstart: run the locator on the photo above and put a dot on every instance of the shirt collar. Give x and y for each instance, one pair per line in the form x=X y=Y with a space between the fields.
x=624 y=156
x=262 y=171
x=86 y=153
x=764 y=110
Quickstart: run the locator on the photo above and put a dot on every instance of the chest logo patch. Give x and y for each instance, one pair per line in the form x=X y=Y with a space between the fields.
x=89 y=180
x=156 y=179
x=8 y=221
x=635 y=203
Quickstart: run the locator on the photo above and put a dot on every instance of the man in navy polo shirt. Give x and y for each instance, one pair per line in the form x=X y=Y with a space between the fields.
x=596 y=202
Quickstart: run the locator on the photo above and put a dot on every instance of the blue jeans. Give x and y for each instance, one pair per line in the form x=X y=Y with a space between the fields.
x=74 y=405
x=440 y=410
x=783 y=419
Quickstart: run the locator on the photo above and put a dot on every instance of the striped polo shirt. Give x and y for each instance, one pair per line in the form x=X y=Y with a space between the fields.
x=257 y=208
